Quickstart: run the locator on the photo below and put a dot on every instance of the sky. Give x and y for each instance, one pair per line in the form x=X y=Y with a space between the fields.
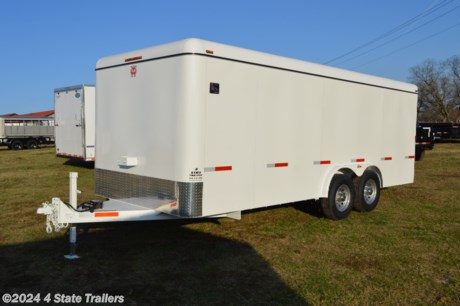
x=50 y=44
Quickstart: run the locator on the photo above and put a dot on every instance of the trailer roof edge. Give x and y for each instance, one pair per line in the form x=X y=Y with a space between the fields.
x=73 y=87
x=217 y=50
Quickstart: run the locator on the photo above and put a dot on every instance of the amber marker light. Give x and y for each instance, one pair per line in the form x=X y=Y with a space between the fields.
x=133 y=59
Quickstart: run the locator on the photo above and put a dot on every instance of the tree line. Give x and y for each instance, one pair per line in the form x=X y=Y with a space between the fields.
x=438 y=89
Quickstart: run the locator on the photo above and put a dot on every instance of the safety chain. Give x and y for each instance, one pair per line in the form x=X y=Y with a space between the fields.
x=51 y=211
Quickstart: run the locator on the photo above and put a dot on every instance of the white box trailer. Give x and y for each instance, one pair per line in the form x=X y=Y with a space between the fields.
x=214 y=130
x=74 y=108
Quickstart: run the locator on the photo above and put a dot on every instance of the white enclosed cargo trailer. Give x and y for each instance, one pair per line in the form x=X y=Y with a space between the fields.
x=74 y=109
x=214 y=130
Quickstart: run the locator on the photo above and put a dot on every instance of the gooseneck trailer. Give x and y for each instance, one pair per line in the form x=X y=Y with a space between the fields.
x=197 y=129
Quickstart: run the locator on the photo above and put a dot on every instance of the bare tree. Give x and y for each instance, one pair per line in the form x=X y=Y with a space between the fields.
x=453 y=68
x=453 y=65
x=439 y=89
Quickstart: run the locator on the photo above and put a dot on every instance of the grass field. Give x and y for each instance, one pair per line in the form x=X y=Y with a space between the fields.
x=407 y=251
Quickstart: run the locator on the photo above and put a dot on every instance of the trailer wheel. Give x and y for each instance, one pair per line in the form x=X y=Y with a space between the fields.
x=17 y=145
x=419 y=154
x=368 y=188
x=32 y=144
x=340 y=199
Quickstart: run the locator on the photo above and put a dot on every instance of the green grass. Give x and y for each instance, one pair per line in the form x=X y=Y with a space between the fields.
x=407 y=251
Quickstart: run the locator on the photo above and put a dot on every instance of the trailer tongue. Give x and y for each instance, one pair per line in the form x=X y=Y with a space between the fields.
x=60 y=215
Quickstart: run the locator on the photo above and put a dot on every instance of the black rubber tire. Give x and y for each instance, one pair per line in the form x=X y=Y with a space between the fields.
x=32 y=144
x=17 y=145
x=368 y=196
x=333 y=208
x=419 y=154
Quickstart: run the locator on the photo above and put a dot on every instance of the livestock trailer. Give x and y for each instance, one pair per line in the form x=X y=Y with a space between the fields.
x=74 y=109
x=210 y=130
x=26 y=132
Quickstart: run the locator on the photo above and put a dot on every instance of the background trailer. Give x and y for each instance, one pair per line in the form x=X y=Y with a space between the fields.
x=74 y=109
x=199 y=129
x=26 y=132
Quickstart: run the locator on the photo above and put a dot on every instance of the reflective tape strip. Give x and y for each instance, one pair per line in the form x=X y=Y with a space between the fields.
x=322 y=162
x=277 y=165
x=218 y=168
x=69 y=155
x=358 y=160
x=410 y=157
x=387 y=158
x=223 y=168
x=106 y=214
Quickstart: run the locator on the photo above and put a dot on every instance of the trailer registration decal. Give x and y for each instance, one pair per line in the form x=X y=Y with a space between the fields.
x=196 y=175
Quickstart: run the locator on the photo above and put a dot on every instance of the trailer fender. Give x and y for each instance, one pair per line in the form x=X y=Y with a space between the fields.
x=378 y=172
x=353 y=170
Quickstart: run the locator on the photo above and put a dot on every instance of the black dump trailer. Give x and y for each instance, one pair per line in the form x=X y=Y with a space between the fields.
x=443 y=131
x=424 y=140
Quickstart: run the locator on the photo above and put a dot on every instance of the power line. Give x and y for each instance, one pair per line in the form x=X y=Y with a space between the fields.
x=397 y=37
x=408 y=46
x=395 y=29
